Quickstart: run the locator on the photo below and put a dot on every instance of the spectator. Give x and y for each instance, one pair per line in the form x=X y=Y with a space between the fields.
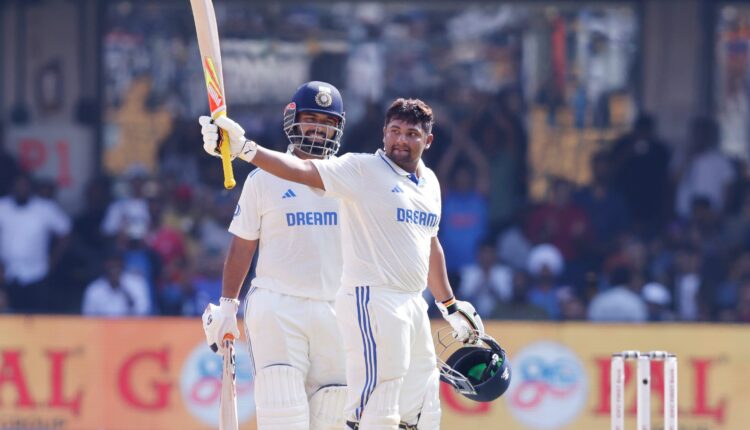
x=545 y=256
x=464 y=218
x=705 y=171
x=519 y=307
x=81 y=262
x=605 y=207
x=165 y=239
x=704 y=229
x=176 y=290
x=8 y=169
x=621 y=302
x=487 y=282
x=727 y=295
x=560 y=222
x=213 y=236
x=140 y=260
x=170 y=244
x=33 y=237
x=688 y=283
x=658 y=301
x=738 y=188
x=46 y=188
x=512 y=245
x=508 y=110
x=572 y=308
x=640 y=174
x=739 y=310
x=179 y=152
x=129 y=214
x=117 y=293
x=630 y=251
x=736 y=229
x=87 y=224
x=500 y=147
x=660 y=259
x=545 y=266
x=180 y=214
x=207 y=281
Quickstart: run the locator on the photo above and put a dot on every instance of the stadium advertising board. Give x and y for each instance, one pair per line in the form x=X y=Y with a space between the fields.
x=80 y=374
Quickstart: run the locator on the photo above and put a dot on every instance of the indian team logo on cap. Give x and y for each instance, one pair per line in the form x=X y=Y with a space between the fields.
x=324 y=97
x=549 y=387
x=200 y=384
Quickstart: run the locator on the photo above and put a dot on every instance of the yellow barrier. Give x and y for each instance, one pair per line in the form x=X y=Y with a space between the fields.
x=158 y=374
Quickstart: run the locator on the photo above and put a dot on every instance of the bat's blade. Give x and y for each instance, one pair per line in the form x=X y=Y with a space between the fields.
x=228 y=414
x=208 y=37
x=215 y=88
x=208 y=43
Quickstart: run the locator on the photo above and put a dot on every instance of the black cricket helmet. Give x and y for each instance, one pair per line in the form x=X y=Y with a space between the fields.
x=318 y=97
x=478 y=371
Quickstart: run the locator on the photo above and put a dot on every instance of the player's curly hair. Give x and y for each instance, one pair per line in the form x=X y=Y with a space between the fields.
x=412 y=111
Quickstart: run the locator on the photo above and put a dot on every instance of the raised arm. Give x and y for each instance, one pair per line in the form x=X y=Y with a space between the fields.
x=287 y=167
x=276 y=163
x=462 y=144
x=480 y=163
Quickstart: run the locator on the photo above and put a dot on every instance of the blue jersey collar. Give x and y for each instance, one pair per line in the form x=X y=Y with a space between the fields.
x=401 y=172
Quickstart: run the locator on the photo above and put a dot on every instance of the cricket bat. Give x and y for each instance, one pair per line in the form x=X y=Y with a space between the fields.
x=208 y=43
x=228 y=408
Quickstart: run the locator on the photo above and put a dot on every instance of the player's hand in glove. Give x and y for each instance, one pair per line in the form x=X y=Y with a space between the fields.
x=239 y=146
x=220 y=321
x=467 y=326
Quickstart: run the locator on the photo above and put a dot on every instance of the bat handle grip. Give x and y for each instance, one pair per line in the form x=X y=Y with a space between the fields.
x=226 y=156
x=226 y=161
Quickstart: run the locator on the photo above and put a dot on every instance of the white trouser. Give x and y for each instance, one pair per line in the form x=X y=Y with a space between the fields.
x=297 y=332
x=388 y=342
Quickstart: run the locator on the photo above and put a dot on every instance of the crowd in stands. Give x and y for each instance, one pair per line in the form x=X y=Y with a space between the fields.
x=660 y=233
x=144 y=244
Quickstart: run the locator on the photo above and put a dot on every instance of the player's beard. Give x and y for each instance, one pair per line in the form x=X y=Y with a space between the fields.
x=400 y=155
x=315 y=143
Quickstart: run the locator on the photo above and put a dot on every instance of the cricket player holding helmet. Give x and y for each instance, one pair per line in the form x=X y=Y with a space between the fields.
x=479 y=372
x=290 y=322
x=390 y=211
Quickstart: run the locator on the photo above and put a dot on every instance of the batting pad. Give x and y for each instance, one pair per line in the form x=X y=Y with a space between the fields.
x=280 y=399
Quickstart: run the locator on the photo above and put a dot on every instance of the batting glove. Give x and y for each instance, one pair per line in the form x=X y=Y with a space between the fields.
x=219 y=322
x=239 y=146
x=463 y=318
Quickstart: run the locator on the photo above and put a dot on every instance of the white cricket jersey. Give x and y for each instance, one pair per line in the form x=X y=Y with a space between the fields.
x=25 y=233
x=299 y=247
x=387 y=219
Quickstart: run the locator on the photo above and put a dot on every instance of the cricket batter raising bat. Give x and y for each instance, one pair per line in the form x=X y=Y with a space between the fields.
x=294 y=342
x=390 y=210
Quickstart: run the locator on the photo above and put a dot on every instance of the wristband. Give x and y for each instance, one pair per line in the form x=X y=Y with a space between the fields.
x=248 y=151
x=449 y=301
x=450 y=304
x=228 y=302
